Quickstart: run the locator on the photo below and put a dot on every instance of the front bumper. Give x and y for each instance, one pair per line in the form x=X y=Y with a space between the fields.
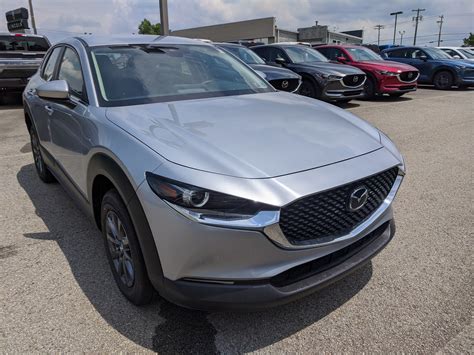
x=269 y=293
x=197 y=255
x=337 y=91
x=393 y=85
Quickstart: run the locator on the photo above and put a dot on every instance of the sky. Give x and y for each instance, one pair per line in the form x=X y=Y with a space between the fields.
x=63 y=18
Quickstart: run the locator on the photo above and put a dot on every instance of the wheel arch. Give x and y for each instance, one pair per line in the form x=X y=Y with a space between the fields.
x=105 y=173
x=445 y=68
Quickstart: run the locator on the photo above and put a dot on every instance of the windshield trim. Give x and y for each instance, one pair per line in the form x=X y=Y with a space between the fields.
x=161 y=99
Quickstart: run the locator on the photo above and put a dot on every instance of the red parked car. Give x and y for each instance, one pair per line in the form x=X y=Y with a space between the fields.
x=383 y=76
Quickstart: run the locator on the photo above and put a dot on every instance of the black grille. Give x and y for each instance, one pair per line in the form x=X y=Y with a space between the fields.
x=285 y=84
x=324 y=216
x=317 y=266
x=408 y=75
x=353 y=80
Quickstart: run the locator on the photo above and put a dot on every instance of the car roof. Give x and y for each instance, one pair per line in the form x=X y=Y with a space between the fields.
x=228 y=44
x=104 y=40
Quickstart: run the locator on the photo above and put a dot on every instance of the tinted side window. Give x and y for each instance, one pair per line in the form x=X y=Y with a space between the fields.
x=48 y=70
x=275 y=53
x=70 y=70
x=339 y=53
x=262 y=52
x=325 y=52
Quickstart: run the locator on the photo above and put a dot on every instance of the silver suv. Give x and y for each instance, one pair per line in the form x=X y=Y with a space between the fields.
x=209 y=186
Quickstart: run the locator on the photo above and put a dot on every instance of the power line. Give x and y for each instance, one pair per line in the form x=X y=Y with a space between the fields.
x=417 y=18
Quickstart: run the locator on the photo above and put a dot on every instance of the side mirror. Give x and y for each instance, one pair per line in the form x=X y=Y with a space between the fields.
x=56 y=89
x=456 y=56
x=280 y=61
x=423 y=57
x=341 y=59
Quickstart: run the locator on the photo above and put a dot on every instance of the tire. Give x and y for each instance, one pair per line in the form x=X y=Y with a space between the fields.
x=369 y=88
x=398 y=94
x=123 y=250
x=309 y=89
x=41 y=168
x=443 y=80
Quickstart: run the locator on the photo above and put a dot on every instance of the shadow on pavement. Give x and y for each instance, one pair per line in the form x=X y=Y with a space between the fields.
x=175 y=329
x=10 y=101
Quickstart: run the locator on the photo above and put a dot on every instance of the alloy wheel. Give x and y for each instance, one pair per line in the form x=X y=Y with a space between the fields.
x=119 y=247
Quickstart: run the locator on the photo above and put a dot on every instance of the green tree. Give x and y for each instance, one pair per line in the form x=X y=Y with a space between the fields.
x=469 y=41
x=147 y=28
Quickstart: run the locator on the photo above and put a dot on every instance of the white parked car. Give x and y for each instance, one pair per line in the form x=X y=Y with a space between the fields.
x=459 y=52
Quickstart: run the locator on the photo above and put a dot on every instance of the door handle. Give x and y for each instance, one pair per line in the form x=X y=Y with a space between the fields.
x=49 y=109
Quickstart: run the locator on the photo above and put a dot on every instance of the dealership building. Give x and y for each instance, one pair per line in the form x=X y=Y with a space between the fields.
x=266 y=30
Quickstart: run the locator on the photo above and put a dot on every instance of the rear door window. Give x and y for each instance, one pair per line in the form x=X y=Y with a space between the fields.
x=48 y=71
x=23 y=43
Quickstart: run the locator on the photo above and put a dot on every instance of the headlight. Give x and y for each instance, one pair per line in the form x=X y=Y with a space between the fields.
x=202 y=201
x=387 y=73
x=392 y=148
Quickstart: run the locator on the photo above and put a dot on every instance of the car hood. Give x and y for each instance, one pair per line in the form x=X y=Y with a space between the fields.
x=274 y=73
x=328 y=68
x=249 y=136
x=387 y=65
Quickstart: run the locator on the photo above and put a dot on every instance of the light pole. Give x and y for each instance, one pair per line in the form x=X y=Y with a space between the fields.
x=165 y=30
x=440 y=26
x=395 y=28
x=33 y=23
x=378 y=27
x=417 y=18
x=401 y=36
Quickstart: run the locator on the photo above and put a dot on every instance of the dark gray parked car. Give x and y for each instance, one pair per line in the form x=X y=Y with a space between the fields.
x=321 y=79
x=280 y=78
x=209 y=186
x=20 y=58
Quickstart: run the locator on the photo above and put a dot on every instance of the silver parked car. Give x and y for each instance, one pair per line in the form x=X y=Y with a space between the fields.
x=209 y=186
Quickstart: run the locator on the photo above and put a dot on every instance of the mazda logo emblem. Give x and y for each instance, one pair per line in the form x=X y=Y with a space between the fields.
x=284 y=84
x=410 y=75
x=358 y=198
x=355 y=79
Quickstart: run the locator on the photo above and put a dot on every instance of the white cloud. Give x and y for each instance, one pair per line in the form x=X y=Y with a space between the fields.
x=123 y=16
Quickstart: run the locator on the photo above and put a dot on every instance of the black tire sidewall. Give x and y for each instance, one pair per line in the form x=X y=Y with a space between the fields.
x=450 y=81
x=369 y=88
x=311 y=86
x=141 y=292
x=44 y=175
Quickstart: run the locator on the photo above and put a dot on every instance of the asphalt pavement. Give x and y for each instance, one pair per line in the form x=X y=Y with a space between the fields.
x=57 y=293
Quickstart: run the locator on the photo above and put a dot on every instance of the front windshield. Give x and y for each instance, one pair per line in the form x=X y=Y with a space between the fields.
x=137 y=74
x=303 y=54
x=436 y=53
x=361 y=54
x=244 y=54
x=469 y=54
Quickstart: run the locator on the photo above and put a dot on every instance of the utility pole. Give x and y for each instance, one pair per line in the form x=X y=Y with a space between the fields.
x=165 y=29
x=440 y=26
x=401 y=36
x=378 y=27
x=395 y=28
x=33 y=23
x=417 y=18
